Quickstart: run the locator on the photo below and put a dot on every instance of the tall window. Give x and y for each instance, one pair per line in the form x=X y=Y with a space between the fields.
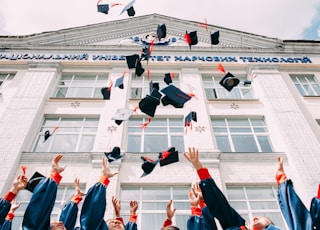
x=214 y=90
x=241 y=135
x=81 y=85
x=251 y=201
x=71 y=135
x=64 y=194
x=152 y=203
x=306 y=84
x=160 y=134
x=140 y=85
x=5 y=79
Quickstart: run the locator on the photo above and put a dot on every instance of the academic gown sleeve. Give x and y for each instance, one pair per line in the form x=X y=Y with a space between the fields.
x=217 y=203
x=5 y=206
x=37 y=214
x=315 y=212
x=93 y=208
x=69 y=215
x=295 y=213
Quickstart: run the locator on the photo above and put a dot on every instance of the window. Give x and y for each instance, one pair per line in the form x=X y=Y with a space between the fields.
x=251 y=201
x=160 y=134
x=140 y=85
x=152 y=203
x=5 y=79
x=241 y=135
x=306 y=84
x=81 y=85
x=71 y=135
x=214 y=90
x=64 y=194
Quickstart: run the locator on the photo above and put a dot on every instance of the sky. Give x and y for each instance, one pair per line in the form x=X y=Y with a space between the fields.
x=282 y=19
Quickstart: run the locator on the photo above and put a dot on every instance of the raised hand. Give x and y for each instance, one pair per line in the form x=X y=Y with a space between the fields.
x=133 y=207
x=19 y=183
x=55 y=164
x=194 y=199
x=116 y=205
x=170 y=212
x=106 y=170
x=197 y=190
x=280 y=169
x=193 y=158
x=76 y=183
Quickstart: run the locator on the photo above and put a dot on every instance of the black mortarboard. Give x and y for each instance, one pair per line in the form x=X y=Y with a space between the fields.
x=103 y=8
x=145 y=55
x=247 y=82
x=167 y=78
x=153 y=85
x=121 y=115
x=33 y=181
x=192 y=38
x=119 y=82
x=168 y=157
x=215 y=38
x=133 y=61
x=148 y=105
x=192 y=116
x=46 y=135
x=161 y=31
x=114 y=155
x=148 y=165
x=129 y=8
x=174 y=96
x=106 y=93
x=229 y=81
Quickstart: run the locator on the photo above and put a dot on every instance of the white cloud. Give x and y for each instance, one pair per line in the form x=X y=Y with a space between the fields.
x=285 y=19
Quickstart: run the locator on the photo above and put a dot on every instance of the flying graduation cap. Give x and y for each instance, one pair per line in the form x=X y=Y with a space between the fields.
x=168 y=78
x=153 y=85
x=174 y=96
x=121 y=115
x=129 y=8
x=106 y=91
x=47 y=133
x=114 y=155
x=34 y=181
x=133 y=61
x=148 y=165
x=229 y=81
x=103 y=8
x=191 y=38
x=161 y=31
x=148 y=105
x=168 y=157
x=215 y=38
x=192 y=116
x=119 y=82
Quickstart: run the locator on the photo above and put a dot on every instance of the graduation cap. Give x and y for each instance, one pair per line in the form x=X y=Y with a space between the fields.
x=148 y=165
x=103 y=8
x=191 y=38
x=167 y=78
x=215 y=38
x=47 y=133
x=192 y=116
x=246 y=82
x=148 y=105
x=121 y=115
x=119 y=82
x=133 y=61
x=153 y=85
x=174 y=96
x=105 y=91
x=229 y=81
x=114 y=155
x=129 y=8
x=145 y=55
x=34 y=181
x=168 y=157
x=161 y=31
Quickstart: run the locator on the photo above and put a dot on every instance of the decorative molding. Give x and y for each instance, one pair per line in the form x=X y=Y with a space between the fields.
x=75 y=104
x=234 y=106
x=112 y=128
x=200 y=129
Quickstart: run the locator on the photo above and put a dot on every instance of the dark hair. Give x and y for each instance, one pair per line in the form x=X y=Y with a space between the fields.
x=171 y=227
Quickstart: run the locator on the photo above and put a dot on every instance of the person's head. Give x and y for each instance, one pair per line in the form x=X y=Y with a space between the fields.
x=259 y=223
x=114 y=224
x=57 y=225
x=171 y=227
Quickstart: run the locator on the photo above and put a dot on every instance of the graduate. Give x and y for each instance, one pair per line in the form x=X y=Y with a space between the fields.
x=167 y=223
x=297 y=216
x=217 y=203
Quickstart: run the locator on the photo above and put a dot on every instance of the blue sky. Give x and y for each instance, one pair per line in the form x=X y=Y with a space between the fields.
x=283 y=19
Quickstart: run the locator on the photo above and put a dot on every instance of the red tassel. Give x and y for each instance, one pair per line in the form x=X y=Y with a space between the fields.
x=111 y=84
x=115 y=4
x=165 y=154
x=144 y=125
x=135 y=109
x=319 y=192
x=148 y=75
x=187 y=38
x=24 y=169
x=221 y=68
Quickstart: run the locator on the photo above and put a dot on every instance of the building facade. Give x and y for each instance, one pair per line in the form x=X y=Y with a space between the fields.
x=52 y=81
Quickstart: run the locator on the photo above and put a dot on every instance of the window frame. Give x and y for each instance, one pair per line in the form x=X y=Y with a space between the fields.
x=76 y=133
x=313 y=85
x=6 y=79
